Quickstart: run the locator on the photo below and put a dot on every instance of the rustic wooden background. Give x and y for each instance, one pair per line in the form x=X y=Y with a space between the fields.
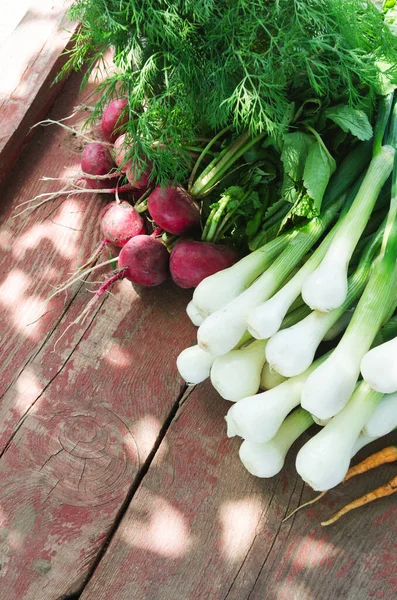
x=117 y=481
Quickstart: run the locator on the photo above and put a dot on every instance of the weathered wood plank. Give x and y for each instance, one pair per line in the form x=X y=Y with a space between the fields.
x=39 y=249
x=201 y=527
x=30 y=58
x=78 y=420
x=12 y=15
x=85 y=436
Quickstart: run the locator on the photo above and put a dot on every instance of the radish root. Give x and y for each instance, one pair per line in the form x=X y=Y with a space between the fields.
x=72 y=130
x=67 y=191
x=83 y=315
x=79 y=277
x=81 y=175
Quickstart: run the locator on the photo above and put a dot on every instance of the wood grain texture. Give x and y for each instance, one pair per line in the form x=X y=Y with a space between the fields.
x=201 y=527
x=78 y=418
x=39 y=249
x=30 y=58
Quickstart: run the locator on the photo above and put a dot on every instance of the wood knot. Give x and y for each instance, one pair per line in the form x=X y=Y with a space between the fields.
x=88 y=457
x=83 y=437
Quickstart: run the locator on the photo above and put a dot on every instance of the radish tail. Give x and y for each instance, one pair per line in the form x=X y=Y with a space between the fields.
x=93 y=257
x=83 y=315
x=68 y=192
x=75 y=132
x=79 y=277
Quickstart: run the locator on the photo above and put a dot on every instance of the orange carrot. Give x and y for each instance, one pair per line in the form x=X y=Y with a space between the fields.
x=387 y=455
x=384 y=490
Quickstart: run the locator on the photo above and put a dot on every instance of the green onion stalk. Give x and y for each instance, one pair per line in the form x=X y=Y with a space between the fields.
x=265 y=319
x=337 y=377
x=221 y=164
x=220 y=332
x=292 y=350
x=237 y=373
x=324 y=460
x=267 y=459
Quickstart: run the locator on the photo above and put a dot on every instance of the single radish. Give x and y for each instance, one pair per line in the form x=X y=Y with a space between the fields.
x=192 y=261
x=119 y=152
x=96 y=160
x=144 y=260
x=114 y=119
x=120 y=222
x=138 y=178
x=173 y=209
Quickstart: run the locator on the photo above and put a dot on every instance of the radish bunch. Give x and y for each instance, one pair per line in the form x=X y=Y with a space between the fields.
x=156 y=236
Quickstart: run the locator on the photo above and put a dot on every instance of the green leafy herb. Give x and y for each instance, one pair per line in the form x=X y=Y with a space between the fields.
x=114 y=263
x=200 y=65
x=295 y=151
x=351 y=119
x=318 y=169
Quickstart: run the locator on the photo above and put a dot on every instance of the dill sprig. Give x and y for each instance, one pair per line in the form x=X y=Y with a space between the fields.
x=197 y=66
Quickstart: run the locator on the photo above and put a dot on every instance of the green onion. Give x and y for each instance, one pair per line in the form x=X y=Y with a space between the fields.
x=258 y=418
x=384 y=418
x=266 y=460
x=220 y=332
x=324 y=460
x=338 y=375
x=326 y=288
x=291 y=351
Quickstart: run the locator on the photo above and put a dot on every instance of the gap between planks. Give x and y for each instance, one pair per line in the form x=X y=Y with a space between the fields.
x=173 y=415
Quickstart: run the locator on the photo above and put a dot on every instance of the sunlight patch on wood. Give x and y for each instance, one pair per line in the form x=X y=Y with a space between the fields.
x=239 y=520
x=6 y=238
x=163 y=529
x=115 y=355
x=295 y=589
x=146 y=432
x=28 y=388
x=14 y=287
x=25 y=309
x=63 y=231
x=313 y=552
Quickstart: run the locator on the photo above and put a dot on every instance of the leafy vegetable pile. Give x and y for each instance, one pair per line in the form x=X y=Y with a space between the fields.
x=262 y=322
x=266 y=130
x=192 y=66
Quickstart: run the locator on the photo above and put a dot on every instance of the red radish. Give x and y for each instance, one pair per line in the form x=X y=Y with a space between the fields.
x=120 y=222
x=119 y=153
x=114 y=119
x=173 y=209
x=192 y=261
x=139 y=180
x=145 y=260
x=96 y=160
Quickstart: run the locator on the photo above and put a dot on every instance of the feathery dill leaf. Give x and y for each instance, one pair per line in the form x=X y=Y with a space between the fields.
x=200 y=65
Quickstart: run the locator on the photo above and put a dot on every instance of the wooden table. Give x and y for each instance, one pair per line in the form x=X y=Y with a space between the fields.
x=118 y=482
